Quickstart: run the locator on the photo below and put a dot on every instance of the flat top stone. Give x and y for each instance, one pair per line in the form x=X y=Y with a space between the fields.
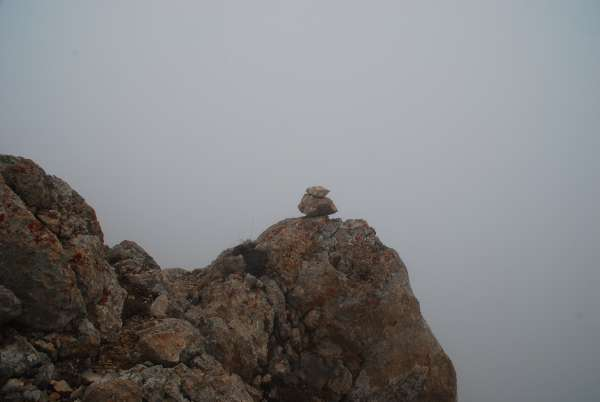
x=317 y=191
x=312 y=206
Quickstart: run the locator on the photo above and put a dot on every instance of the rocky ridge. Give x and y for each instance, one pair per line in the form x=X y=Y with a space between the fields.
x=315 y=309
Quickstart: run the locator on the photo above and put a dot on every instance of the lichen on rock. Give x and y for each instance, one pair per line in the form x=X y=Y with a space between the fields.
x=315 y=309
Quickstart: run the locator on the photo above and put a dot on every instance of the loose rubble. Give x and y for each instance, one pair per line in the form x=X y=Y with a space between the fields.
x=315 y=309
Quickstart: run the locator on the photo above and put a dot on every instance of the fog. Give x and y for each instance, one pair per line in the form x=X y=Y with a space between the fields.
x=466 y=134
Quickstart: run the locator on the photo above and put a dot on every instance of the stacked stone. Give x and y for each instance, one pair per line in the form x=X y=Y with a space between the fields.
x=316 y=203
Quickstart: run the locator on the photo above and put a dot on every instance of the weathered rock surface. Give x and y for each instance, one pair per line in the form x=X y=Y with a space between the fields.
x=19 y=357
x=368 y=324
x=52 y=252
x=315 y=309
x=163 y=341
x=139 y=274
x=117 y=390
x=205 y=381
x=236 y=321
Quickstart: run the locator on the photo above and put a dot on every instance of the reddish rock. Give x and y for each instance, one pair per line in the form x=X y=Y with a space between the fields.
x=163 y=341
x=369 y=316
x=52 y=253
x=62 y=387
x=236 y=321
x=159 y=306
x=33 y=267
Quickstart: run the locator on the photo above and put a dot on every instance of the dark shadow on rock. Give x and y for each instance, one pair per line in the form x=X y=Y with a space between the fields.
x=256 y=260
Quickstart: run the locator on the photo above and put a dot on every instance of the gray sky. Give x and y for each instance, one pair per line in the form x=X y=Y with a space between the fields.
x=467 y=134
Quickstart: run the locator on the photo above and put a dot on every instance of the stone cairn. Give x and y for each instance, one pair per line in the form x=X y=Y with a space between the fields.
x=316 y=203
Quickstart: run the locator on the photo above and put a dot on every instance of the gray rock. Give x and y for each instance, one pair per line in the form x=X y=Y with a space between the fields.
x=33 y=395
x=19 y=358
x=159 y=306
x=122 y=390
x=52 y=253
x=317 y=191
x=312 y=206
x=88 y=377
x=33 y=266
x=129 y=250
x=236 y=322
x=13 y=385
x=211 y=383
x=139 y=274
x=251 y=281
x=45 y=375
x=319 y=309
x=366 y=332
x=10 y=305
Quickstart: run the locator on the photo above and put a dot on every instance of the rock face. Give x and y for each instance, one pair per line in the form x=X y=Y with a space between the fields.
x=52 y=251
x=315 y=309
x=353 y=327
x=165 y=340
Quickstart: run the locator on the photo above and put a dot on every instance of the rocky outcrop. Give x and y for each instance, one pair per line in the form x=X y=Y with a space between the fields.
x=315 y=309
x=52 y=252
x=353 y=326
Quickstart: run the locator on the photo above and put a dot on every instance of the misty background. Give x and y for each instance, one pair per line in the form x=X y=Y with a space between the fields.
x=466 y=133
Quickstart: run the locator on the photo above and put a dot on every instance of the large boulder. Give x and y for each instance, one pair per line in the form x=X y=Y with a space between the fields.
x=140 y=275
x=52 y=251
x=354 y=328
x=164 y=341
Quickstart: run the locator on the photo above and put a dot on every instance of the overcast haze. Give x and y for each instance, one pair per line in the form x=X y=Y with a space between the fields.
x=467 y=134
